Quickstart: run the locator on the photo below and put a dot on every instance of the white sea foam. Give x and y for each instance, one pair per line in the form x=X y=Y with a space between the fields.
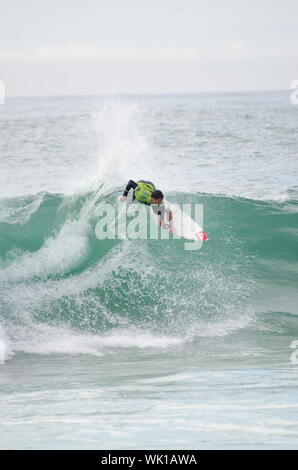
x=19 y=211
x=55 y=340
x=59 y=253
x=6 y=348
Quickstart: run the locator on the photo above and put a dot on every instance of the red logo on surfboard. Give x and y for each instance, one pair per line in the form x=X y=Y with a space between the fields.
x=201 y=236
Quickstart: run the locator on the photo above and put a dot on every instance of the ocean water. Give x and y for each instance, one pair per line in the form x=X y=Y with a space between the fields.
x=135 y=344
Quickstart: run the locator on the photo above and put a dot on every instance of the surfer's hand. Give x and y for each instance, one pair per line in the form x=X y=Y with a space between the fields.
x=123 y=198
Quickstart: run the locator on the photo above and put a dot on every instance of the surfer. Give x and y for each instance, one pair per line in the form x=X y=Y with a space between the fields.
x=145 y=192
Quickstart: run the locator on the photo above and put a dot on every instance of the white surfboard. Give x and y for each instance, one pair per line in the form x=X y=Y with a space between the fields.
x=182 y=224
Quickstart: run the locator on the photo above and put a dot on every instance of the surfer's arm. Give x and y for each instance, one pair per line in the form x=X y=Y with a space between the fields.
x=161 y=213
x=130 y=185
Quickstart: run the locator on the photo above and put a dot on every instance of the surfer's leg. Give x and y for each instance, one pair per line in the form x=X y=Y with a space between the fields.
x=170 y=219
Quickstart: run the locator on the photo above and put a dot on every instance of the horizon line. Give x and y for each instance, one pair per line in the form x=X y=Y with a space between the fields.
x=109 y=94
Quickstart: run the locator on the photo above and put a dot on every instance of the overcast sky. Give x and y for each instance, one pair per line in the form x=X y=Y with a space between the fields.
x=147 y=46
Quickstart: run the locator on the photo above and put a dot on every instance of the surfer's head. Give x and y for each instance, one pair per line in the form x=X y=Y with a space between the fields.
x=156 y=197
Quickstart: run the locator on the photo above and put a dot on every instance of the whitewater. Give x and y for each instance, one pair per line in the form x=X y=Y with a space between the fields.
x=127 y=344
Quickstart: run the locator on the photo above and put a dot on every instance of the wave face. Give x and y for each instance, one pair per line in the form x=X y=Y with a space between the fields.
x=64 y=291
